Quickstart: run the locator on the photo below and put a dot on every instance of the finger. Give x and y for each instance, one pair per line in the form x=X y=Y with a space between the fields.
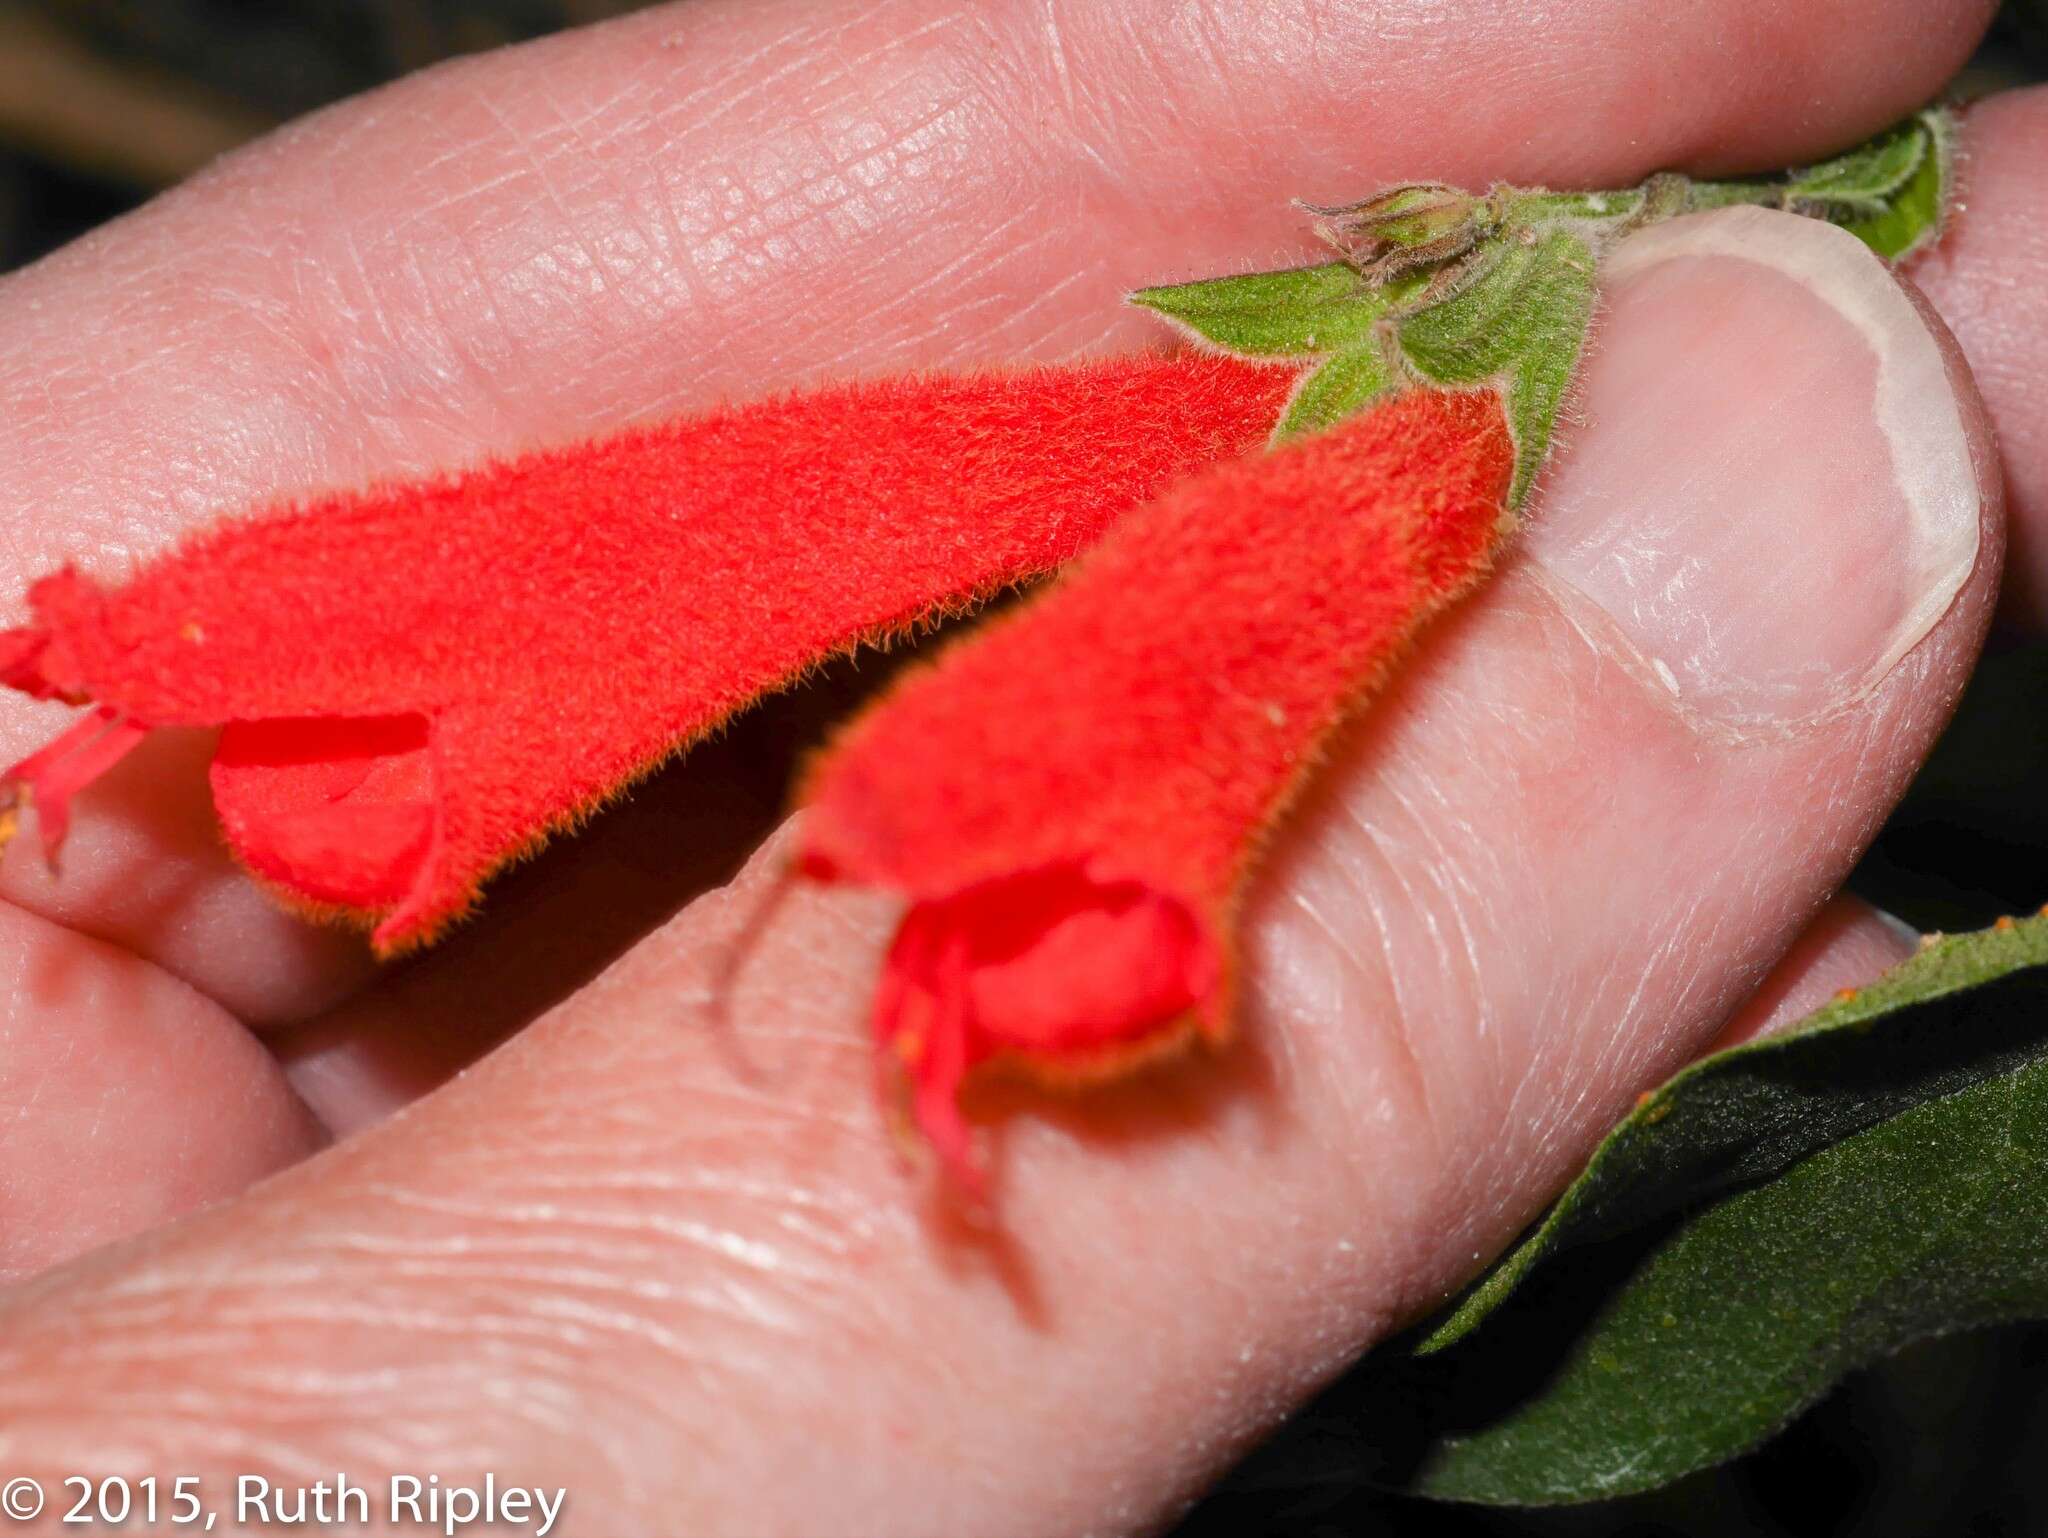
x=1989 y=279
x=707 y=200
x=109 y=1064
x=1846 y=946
x=153 y=878
x=1599 y=805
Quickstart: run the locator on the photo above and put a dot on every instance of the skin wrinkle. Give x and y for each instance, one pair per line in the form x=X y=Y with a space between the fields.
x=582 y=1244
x=939 y=117
x=1378 y=978
x=1420 y=1121
x=1344 y=956
x=467 y=348
x=510 y=1264
x=1388 y=867
x=1451 y=900
x=466 y=364
x=727 y=1246
x=480 y=1329
x=797 y=1265
x=1084 y=124
x=582 y=253
x=1386 y=982
x=1213 y=57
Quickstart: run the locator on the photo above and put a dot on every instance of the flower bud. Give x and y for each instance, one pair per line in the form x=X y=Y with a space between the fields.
x=1404 y=228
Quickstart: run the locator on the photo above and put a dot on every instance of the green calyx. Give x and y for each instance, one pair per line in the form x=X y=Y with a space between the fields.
x=1443 y=287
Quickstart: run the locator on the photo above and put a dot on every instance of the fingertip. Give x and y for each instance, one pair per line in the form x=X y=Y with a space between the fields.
x=1988 y=278
x=133 y=1099
x=1848 y=944
x=1784 y=485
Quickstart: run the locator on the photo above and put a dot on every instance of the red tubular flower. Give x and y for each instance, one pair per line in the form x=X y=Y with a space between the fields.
x=1072 y=799
x=419 y=682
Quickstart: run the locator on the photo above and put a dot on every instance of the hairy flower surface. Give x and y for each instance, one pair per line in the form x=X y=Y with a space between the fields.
x=419 y=682
x=1072 y=798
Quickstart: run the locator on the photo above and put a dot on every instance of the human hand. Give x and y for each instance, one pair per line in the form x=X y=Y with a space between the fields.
x=667 y=1257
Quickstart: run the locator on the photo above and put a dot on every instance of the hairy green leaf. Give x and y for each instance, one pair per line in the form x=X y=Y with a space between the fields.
x=1743 y=1115
x=1769 y=1219
x=1869 y=174
x=1300 y=312
x=1911 y=214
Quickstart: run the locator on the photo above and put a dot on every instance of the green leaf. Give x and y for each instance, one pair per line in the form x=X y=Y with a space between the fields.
x=1891 y=193
x=1869 y=174
x=1300 y=312
x=1698 y=1134
x=1771 y=1218
x=1519 y=323
x=1911 y=216
x=1343 y=384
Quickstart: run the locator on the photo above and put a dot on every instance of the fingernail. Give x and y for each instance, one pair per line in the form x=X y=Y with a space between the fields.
x=1770 y=490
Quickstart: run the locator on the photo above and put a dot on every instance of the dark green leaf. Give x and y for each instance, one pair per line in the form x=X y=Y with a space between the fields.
x=1743 y=1115
x=1785 y=1211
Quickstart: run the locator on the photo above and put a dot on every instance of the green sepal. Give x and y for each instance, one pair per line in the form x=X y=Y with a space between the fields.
x=1340 y=387
x=1300 y=312
x=1520 y=323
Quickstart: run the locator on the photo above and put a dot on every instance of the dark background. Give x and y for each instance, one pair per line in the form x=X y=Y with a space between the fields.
x=103 y=102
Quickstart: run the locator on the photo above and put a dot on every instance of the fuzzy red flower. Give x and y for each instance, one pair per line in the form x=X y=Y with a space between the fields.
x=421 y=681
x=1071 y=800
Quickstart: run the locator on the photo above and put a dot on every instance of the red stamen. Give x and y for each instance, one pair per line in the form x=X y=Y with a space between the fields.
x=48 y=778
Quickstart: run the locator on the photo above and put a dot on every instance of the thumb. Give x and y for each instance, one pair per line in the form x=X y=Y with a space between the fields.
x=1544 y=871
